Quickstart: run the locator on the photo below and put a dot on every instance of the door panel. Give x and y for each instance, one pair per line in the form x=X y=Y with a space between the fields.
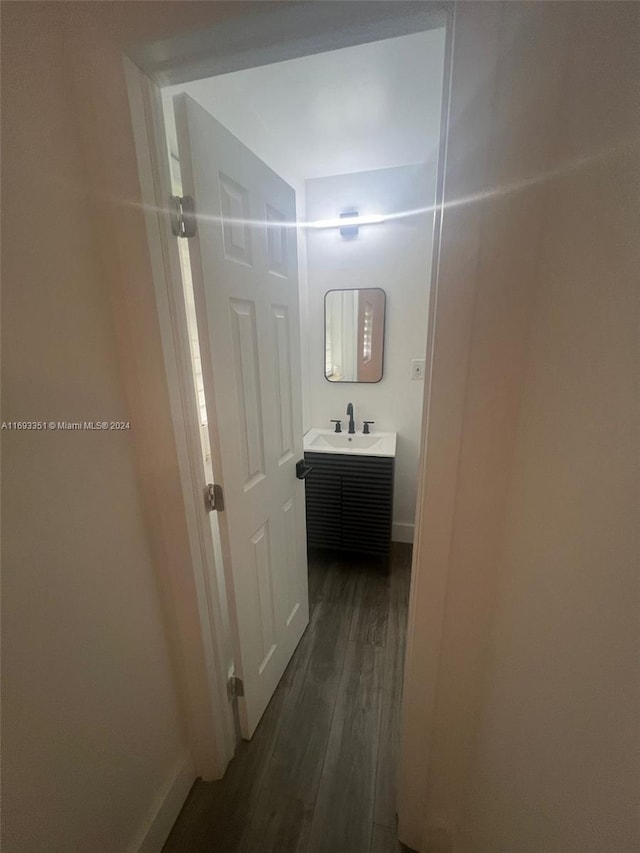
x=244 y=267
x=284 y=401
x=247 y=387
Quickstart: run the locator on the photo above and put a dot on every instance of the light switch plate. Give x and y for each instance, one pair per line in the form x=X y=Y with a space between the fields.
x=417 y=368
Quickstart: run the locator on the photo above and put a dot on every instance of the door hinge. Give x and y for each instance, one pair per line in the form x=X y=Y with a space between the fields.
x=213 y=497
x=235 y=687
x=183 y=215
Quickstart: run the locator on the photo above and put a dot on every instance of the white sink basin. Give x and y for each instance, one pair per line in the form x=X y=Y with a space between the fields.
x=328 y=441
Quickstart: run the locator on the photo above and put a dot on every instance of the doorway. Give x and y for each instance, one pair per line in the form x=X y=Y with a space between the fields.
x=360 y=127
x=411 y=209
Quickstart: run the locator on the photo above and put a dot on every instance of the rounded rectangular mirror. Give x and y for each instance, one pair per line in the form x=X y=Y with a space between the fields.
x=354 y=334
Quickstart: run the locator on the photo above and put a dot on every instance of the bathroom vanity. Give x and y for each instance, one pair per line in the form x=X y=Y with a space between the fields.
x=349 y=490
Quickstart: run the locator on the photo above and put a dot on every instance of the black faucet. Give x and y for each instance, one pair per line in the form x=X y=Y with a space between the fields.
x=352 y=423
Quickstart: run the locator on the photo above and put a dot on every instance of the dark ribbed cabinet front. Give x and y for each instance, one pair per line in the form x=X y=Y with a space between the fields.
x=349 y=502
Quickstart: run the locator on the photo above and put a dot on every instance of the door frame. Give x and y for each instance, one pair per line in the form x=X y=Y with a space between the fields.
x=212 y=728
x=257 y=38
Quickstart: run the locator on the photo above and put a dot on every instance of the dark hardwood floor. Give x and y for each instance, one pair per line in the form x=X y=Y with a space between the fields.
x=319 y=775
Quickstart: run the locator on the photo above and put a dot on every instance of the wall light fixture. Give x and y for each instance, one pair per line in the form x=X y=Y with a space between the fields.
x=349 y=222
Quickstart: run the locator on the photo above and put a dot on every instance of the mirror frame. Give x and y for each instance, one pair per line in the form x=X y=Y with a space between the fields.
x=324 y=334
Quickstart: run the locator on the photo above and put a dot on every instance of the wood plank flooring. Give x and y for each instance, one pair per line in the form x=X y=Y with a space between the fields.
x=319 y=775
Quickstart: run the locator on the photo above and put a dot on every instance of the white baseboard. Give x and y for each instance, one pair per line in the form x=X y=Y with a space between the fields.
x=401 y=532
x=166 y=808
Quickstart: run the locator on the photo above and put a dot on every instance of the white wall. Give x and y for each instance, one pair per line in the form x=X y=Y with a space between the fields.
x=521 y=698
x=92 y=733
x=396 y=256
x=555 y=768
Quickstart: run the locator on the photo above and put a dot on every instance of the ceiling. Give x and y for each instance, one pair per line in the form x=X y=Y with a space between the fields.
x=370 y=106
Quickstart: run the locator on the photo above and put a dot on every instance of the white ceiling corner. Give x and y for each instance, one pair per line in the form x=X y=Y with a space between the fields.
x=365 y=107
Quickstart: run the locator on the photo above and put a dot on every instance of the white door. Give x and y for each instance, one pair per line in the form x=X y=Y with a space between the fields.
x=245 y=277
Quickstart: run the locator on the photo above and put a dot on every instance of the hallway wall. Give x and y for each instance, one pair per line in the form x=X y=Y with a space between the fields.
x=521 y=695
x=554 y=766
x=92 y=731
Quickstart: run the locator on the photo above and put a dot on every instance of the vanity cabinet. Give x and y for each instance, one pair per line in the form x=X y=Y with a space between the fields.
x=349 y=501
